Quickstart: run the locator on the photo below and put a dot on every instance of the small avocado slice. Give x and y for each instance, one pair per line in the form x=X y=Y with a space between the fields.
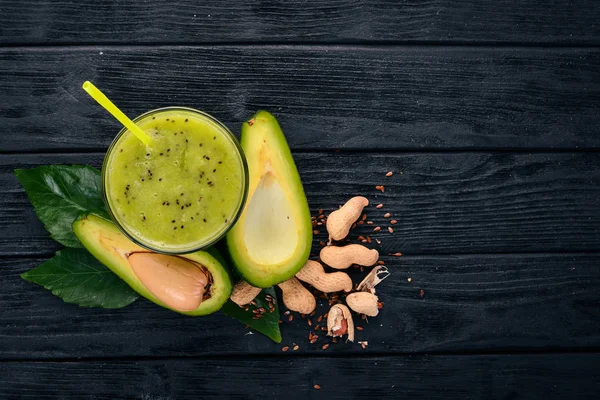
x=272 y=238
x=192 y=284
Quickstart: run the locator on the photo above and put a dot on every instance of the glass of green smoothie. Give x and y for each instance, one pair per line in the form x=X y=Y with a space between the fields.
x=183 y=191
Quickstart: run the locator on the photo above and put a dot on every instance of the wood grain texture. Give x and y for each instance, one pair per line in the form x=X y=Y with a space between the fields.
x=326 y=97
x=501 y=303
x=189 y=21
x=550 y=377
x=445 y=203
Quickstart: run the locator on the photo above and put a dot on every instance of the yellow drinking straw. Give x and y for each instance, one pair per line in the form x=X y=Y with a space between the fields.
x=108 y=105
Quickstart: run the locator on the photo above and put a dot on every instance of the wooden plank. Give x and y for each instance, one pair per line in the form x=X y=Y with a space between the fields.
x=326 y=97
x=188 y=21
x=553 y=376
x=470 y=304
x=445 y=203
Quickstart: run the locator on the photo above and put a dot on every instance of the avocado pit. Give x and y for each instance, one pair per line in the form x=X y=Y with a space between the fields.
x=178 y=282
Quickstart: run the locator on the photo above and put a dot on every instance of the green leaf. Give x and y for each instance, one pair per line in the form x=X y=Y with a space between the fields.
x=267 y=325
x=60 y=193
x=77 y=277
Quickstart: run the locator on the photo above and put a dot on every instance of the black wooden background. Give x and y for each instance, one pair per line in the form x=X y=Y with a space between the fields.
x=487 y=111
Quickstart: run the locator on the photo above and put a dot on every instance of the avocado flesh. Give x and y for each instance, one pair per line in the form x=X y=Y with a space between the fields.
x=272 y=238
x=122 y=256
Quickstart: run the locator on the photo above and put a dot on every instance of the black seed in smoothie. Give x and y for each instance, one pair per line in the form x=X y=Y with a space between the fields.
x=214 y=138
x=172 y=221
x=204 y=219
x=220 y=162
x=197 y=213
x=153 y=117
x=186 y=141
x=225 y=220
x=177 y=201
x=215 y=170
x=192 y=217
x=182 y=207
x=200 y=145
x=121 y=151
x=168 y=150
x=181 y=226
x=175 y=228
x=142 y=179
x=159 y=179
x=181 y=194
x=175 y=134
x=186 y=120
x=147 y=154
x=208 y=158
x=167 y=119
x=161 y=154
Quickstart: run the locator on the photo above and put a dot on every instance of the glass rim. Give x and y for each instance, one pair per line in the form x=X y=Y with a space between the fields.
x=241 y=202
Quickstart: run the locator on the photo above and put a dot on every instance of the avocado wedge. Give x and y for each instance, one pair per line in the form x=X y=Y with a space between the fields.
x=192 y=284
x=271 y=240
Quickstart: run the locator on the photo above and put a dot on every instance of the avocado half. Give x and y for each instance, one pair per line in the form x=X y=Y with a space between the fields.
x=192 y=284
x=271 y=240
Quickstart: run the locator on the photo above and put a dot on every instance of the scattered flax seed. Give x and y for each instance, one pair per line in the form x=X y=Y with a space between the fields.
x=409 y=279
x=393 y=222
x=364 y=241
x=369 y=239
x=317 y=327
x=320 y=319
x=309 y=322
x=313 y=340
x=360 y=223
x=286 y=313
x=369 y=222
x=317 y=387
x=381 y=188
x=312 y=314
x=380 y=262
x=321 y=216
x=359 y=328
x=361 y=238
x=285 y=348
x=379 y=206
x=377 y=229
x=380 y=304
x=325 y=346
x=253 y=303
x=320 y=211
x=390 y=230
x=364 y=344
x=364 y=217
x=322 y=243
x=387 y=215
x=324 y=328
x=422 y=293
x=316 y=232
x=389 y=174
x=396 y=254
x=290 y=318
x=296 y=347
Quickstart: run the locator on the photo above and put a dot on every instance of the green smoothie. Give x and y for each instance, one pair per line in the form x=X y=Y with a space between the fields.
x=184 y=190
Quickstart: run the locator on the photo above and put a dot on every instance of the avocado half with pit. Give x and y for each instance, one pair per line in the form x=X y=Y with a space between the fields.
x=272 y=238
x=192 y=284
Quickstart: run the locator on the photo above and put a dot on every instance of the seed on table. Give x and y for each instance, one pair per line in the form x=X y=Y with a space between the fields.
x=285 y=348
x=389 y=174
x=390 y=230
x=325 y=346
x=316 y=232
x=296 y=347
x=398 y=254
x=290 y=318
x=379 y=206
x=320 y=319
x=317 y=387
x=369 y=222
x=380 y=262
x=286 y=313
x=393 y=222
x=381 y=188
x=387 y=215
x=377 y=229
